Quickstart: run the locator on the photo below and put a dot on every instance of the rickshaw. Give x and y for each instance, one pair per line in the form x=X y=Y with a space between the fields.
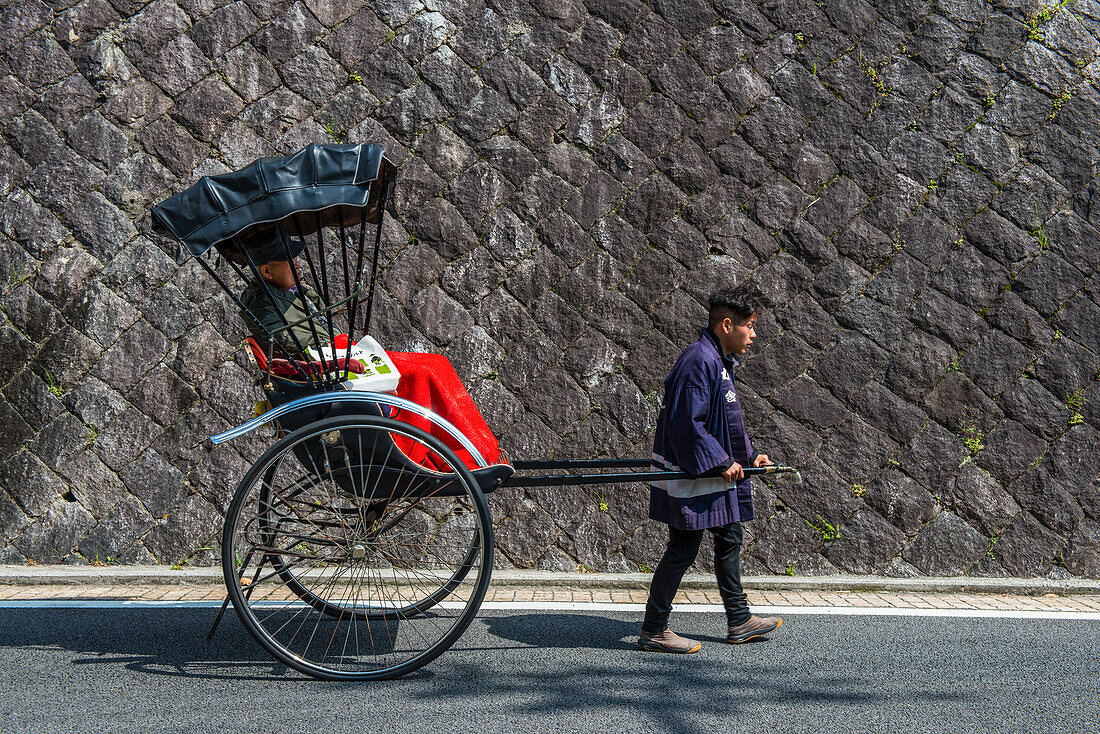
x=359 y=546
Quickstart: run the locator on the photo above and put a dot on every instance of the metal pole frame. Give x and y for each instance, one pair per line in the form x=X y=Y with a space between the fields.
x=382 y=201
x=309 y=258
x=582 y=464
x=353 y=309
x=305 y=302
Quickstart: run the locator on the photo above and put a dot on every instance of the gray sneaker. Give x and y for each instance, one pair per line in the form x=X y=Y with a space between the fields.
x=668 y=641
x=754 y=627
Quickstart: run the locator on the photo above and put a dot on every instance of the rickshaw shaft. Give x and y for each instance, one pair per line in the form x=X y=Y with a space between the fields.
x=582 y=464
x=560 y=480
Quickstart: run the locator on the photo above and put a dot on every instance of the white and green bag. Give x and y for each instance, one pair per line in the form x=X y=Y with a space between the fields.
x=380 y=375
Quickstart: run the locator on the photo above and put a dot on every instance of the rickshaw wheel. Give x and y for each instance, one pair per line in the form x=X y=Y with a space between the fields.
x=347 y=560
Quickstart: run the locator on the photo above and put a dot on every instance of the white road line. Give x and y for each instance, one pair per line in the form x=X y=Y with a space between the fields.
x=565 y=606
x=103 y=604
x=837 y=611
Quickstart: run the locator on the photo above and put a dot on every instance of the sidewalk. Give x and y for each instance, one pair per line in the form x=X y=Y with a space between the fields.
x=130 y=583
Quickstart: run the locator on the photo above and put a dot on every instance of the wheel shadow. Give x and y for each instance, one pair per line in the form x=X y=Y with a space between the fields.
x=158 y=641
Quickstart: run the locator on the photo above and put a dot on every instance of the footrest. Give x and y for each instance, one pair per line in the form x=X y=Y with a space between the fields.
x=491 y=477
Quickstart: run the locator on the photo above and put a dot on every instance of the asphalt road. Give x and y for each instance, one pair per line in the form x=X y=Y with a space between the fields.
x=147 y=669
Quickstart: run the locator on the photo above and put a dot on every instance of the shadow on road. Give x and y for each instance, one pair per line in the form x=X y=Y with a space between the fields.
x=538 y=663
x=570 y=669
x=565 y=630
x=577 y=631
x=669 y=690
x=159 y=641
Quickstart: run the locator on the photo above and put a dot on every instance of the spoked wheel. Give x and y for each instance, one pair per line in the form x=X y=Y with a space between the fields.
x=347 y=560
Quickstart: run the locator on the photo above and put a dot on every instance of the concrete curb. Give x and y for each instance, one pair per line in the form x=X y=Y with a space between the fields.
x=166 y=576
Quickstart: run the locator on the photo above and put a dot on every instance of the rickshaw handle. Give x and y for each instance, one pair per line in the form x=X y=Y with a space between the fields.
x=353 y=396
x=650 y=476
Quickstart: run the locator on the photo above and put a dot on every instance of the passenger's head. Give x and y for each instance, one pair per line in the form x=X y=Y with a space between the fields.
x=279 y=273
x=733 y=314
x=274 y=256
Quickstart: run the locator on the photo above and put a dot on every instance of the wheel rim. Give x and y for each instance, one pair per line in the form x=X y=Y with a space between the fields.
x=347 y=560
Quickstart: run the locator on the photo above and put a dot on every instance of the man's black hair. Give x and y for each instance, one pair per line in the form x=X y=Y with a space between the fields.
x=733 y=303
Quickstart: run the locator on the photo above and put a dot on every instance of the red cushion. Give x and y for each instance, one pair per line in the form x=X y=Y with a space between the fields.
x=295 y=368
x=430 y=380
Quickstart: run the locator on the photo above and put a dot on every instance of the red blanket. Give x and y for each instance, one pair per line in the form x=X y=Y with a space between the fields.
x=430 y=380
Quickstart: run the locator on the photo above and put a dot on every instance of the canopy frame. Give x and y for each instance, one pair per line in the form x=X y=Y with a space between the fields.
x=296 y=193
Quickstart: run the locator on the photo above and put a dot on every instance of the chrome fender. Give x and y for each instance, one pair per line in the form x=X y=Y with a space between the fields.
x=353 y=396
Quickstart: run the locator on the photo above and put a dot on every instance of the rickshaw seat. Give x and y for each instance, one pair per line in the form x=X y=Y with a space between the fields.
x=294 y=367
x=429 y=380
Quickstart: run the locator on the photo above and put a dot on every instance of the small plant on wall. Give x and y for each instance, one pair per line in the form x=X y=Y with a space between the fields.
x=1075 y=401
x=973 y=438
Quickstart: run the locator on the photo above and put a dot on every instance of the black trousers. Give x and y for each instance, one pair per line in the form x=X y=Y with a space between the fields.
x=683 y=547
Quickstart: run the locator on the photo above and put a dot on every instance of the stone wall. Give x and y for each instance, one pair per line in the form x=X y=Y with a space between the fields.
x=911 y=184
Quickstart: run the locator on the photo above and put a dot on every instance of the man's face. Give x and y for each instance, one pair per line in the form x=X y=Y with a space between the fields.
x=736 y=337
x=279 y=273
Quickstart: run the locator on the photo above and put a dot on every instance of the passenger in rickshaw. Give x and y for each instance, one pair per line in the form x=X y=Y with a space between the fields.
x=426 y=379
x=282 y=278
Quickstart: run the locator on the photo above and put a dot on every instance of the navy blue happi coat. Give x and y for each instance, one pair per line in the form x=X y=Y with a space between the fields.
x=700 y=429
